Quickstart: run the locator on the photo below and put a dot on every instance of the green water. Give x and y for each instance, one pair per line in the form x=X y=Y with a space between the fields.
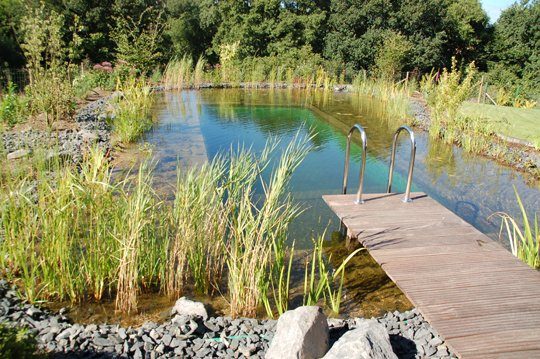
x=194 y=126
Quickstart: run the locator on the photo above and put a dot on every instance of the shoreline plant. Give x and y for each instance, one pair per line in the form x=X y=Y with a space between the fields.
x=524 y=239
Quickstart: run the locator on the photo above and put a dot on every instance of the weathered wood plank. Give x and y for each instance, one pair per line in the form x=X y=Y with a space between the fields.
x=479 y=297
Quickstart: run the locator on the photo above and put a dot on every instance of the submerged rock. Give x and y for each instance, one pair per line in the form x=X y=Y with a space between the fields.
x=300 y=333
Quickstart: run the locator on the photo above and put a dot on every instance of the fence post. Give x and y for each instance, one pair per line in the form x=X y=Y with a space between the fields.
x=481 y=89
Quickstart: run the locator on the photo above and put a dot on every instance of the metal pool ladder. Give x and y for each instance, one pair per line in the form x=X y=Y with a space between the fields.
x=363 y=136
x=407 y=197
x=363 y=165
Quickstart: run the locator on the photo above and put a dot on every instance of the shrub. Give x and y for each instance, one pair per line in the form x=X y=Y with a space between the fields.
x=51 y=93
x=11 y=106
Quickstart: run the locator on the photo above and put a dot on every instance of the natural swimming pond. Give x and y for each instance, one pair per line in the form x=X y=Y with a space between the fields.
x=194 y=126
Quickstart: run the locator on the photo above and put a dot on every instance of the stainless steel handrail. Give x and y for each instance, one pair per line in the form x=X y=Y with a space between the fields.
x=363 y=165
x=407 y=197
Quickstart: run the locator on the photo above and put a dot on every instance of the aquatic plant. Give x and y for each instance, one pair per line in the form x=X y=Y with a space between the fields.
x=198 y=72
x=68 y=236
x=392 y=100
x=320 y=281
x=178 y=72
x=524 y=239
x=132 y=110
x=196 y=250
x=131 y=231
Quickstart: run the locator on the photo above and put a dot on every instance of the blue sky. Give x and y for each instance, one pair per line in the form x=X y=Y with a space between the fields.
x=494 y=7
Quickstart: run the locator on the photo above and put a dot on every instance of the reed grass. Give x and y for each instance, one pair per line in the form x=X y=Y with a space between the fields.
x=178 y=72
x=321 y=283
x=132 y=229
x=132 y=110
x=67 y=233
x=524 y=239
x=196 y=250
x=75 y=234
x=198 y=72
x=392 y=100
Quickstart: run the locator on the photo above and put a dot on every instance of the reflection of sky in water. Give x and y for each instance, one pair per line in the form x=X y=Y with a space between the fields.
x=194 y=126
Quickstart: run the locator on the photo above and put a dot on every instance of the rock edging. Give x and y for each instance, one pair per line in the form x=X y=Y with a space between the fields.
x=192 y=336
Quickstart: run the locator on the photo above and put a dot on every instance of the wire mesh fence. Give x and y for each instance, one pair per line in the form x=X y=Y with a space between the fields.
x=19 y=77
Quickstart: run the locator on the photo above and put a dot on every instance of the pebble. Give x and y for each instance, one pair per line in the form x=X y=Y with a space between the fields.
x=411 y=336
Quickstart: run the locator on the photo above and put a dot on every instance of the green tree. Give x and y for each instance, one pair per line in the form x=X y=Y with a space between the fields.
x=468 y=31
x=11 y=12
x=186 y=31
x=391 y=55
x=436 y=30
x=261 y=27
x=138 y=44
x=515 y=50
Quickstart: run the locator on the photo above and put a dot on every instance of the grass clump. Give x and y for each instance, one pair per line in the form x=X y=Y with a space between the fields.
x=11 y=106
x=392 y=99
x=132 y=110
x=322 y=283
x=66 y=234
x=197 y=248
x=72 y=233
x=524 y=240
x=178 y=73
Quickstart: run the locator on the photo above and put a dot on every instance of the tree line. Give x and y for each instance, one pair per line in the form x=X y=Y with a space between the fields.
x=385 y=37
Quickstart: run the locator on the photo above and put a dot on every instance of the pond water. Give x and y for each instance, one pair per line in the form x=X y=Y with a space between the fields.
x=194 y=126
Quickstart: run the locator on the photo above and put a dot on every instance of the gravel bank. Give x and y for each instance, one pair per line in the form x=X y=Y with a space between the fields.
x=184 y=336
x=90 y=127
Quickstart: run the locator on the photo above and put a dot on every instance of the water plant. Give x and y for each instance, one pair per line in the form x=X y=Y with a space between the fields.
x=524 y=239
x=131 y=231
x=132 y=110
x=391 y=98
x=196 y=250
x=320 y=281
x=178 y=72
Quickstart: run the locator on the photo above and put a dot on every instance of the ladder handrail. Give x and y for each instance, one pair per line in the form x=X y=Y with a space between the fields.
x=363 y=136
x=407 y=197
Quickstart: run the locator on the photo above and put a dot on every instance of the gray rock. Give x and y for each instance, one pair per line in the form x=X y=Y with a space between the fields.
x=184 y=306
x=300 y=333
x=368 y=340
x=18 y=154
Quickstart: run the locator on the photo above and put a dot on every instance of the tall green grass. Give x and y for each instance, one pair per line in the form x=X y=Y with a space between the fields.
x=68 y=233
x=178 y=72
x=74 y=233
x=132 y=110
x=321 y=283
x=387 y=99
x=524 y=239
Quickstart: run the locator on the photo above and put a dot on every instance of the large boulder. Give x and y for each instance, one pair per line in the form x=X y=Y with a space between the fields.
x=184 y=306
x=300 y=333
x=368 y=340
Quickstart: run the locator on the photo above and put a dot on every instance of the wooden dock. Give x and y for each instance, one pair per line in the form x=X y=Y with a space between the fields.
x=482 y=300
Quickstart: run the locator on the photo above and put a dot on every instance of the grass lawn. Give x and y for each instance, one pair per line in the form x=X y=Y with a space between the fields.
x=520 y=123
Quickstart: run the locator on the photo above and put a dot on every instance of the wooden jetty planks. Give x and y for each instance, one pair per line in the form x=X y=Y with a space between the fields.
x=480 y=298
